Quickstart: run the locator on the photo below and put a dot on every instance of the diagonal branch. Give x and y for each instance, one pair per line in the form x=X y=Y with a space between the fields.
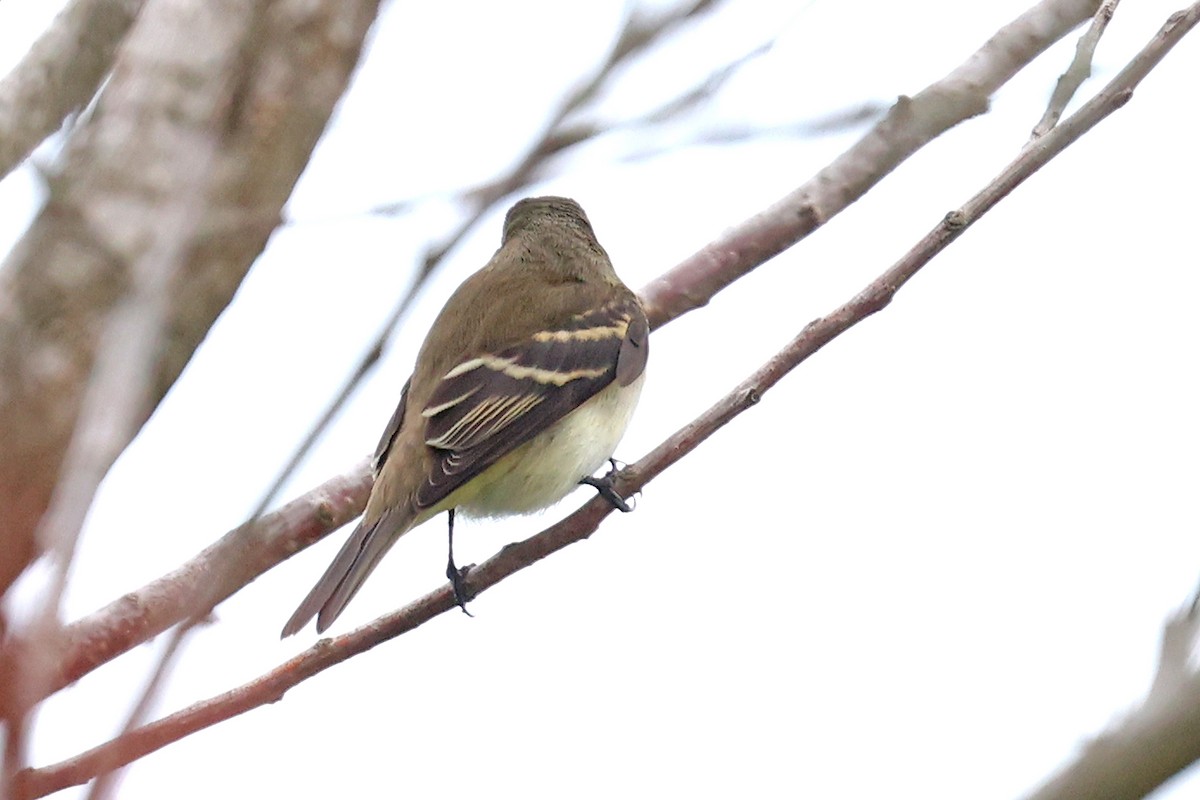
x=1154 y=742
x=225 y=566
x=910 y=124
x=586 y=520
x=1079 y=70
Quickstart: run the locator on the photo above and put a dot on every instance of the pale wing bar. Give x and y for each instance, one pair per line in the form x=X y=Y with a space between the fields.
x=491 y=404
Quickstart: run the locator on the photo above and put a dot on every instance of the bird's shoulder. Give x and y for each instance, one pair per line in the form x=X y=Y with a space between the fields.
x=510 y=301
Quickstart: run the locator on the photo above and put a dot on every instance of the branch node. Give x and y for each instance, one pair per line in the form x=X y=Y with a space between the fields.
x=956 y=220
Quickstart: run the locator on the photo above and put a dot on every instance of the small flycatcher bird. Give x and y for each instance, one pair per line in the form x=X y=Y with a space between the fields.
x=521 y=390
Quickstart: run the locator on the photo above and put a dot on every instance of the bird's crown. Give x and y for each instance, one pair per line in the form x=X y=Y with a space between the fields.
x=533 y=212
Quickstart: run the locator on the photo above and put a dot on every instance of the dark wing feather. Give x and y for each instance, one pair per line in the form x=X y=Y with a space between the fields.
x=391 y=431
x=631 y=361
x=487 y=406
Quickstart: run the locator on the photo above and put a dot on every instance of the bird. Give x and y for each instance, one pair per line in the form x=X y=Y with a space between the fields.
x=521 y=390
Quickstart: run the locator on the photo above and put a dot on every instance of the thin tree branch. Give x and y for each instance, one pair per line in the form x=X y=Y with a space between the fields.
x=909 y=125
x=225 y=566
x=105 y=783
x=60 y=73
x=586 y=520
x=1078 y=71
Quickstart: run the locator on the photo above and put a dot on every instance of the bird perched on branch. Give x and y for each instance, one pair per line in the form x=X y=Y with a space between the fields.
x=521 y=390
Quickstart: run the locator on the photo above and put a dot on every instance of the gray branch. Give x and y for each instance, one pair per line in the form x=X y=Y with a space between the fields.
x=1079 y=70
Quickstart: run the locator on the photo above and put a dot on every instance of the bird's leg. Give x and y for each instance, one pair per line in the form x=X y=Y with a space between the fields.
x=455 y=574
x=604 y=486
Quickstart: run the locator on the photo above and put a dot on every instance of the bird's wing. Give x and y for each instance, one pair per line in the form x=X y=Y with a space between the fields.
x=487 y=406
x=391 y=431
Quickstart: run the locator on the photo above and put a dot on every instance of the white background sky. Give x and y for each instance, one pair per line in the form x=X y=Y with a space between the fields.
x=936 y=558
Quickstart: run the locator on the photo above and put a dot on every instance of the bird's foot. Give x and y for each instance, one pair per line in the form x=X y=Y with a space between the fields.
x=604 y=486
x=462 y=595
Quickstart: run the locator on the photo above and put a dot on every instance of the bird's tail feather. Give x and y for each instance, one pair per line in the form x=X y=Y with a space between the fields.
x=354 y=562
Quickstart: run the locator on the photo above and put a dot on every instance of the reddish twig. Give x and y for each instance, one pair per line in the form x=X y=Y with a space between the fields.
x=222 y=568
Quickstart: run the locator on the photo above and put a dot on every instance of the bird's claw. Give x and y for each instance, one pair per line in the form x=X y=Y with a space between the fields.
x=604 y=486
x=457 y=576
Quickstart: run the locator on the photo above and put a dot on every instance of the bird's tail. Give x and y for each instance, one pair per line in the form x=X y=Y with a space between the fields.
x=355 y=561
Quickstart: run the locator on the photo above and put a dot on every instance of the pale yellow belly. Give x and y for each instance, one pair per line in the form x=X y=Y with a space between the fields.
x=547 y=468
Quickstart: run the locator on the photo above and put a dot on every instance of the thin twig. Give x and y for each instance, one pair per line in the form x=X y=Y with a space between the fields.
x=225 y=566
x=910 y=124
x=581 y=524
x=106 y=782
x=1079 y=70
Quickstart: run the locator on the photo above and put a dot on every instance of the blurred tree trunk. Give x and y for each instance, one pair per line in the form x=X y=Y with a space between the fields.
x=236 y=91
